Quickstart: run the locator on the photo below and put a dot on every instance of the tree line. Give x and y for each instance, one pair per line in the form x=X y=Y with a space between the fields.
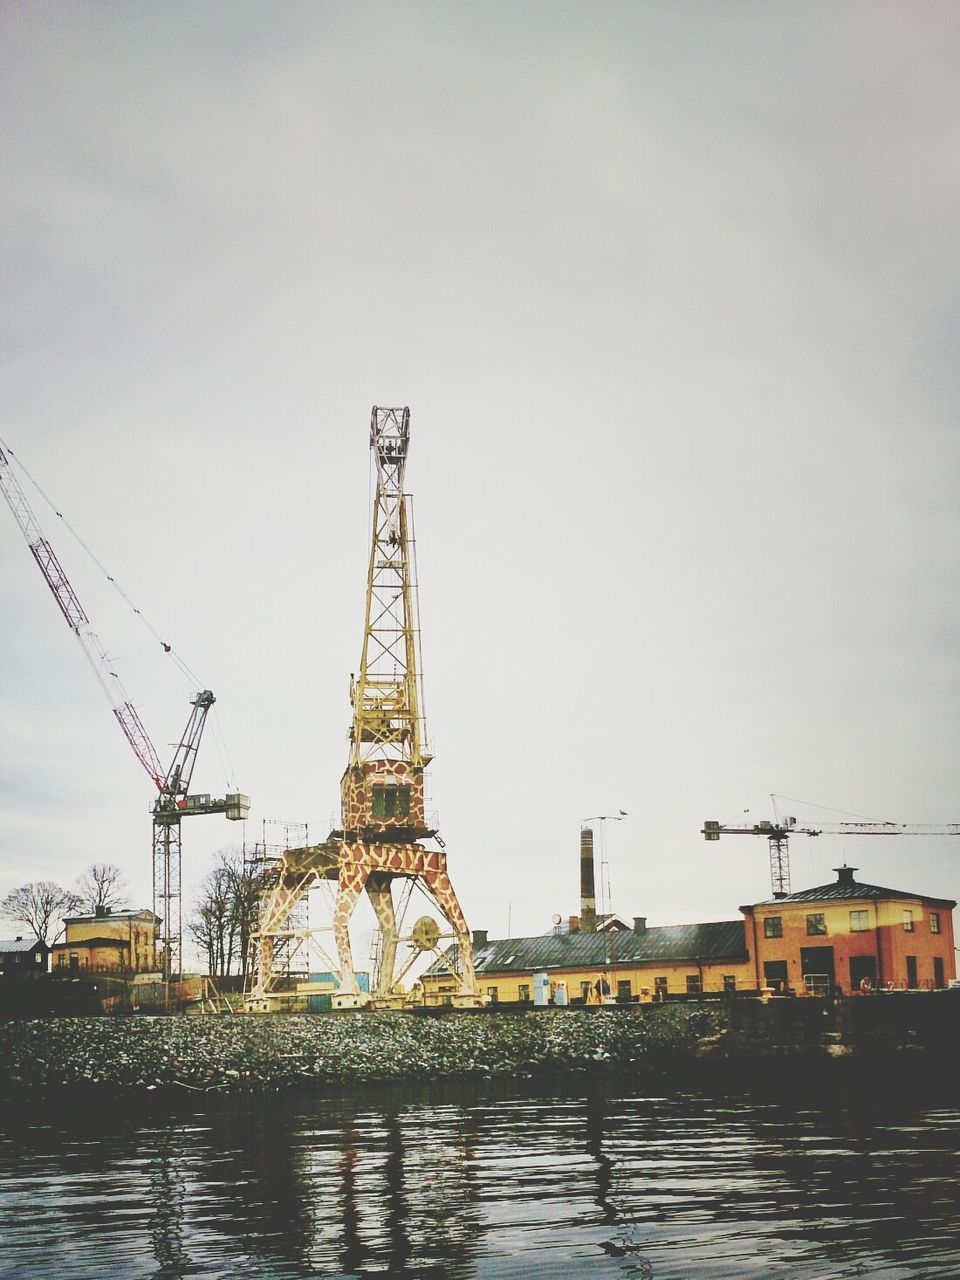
x=223 y=917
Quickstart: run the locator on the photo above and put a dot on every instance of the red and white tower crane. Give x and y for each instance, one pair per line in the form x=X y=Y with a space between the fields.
x=173 y=800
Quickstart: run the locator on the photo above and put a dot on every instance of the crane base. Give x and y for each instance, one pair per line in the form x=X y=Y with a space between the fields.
x=350 y=999
x=467 y=1002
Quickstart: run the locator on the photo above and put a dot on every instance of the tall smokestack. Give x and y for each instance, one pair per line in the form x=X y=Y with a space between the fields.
x=588 y=900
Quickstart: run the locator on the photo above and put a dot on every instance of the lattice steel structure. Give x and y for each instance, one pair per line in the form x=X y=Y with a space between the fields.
x=383 y=816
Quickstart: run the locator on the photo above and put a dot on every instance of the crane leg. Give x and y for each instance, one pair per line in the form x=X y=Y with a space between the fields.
x=353 y=876
x=439 y=885
x=378 y=891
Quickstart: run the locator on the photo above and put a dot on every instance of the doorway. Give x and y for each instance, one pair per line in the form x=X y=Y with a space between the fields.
x=863 y=973
x=817 y=970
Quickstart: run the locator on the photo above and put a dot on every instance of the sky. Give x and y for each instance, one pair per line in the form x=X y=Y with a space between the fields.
x=671 y=292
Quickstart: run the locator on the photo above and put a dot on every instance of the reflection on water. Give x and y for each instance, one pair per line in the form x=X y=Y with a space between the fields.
x=465 y=1183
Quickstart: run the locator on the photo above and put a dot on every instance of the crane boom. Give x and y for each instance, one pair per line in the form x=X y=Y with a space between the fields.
x=891 y=829
x=76 y=619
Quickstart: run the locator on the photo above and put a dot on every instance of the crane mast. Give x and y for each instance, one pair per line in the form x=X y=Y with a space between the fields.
x=173 y=801
x=387 y=699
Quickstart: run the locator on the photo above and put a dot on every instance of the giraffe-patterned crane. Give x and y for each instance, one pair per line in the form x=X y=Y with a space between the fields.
x=384 y=822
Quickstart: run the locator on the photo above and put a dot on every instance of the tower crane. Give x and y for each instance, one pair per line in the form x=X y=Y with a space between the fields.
x=383 y=818
x=779 y=832
x=173 y=800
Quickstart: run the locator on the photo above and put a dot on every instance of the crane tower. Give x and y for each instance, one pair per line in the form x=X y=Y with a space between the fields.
x=383 y=818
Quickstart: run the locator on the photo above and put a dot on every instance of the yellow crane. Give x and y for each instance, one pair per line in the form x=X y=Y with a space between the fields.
x=382 y=839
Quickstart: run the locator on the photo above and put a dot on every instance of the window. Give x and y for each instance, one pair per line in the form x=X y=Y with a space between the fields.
x=391 y=802
x=694 y=986
x=492 y=993
x=773 y=927
x=624 y=991
x=816 y=924
x=934 y=922
x=908 y=922
x=729 y=982
x=859 y=921
x=61 y=960
x=660 y=987
x=523 y=991
x=585 y=991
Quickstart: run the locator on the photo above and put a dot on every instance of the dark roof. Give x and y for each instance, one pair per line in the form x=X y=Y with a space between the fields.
x=848 y=889
x=8 y=945
x=121 y=943
x=143 y=914
x=670 y=944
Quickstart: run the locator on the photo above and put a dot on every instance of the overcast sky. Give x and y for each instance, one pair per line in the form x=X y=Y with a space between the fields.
x=671 y=291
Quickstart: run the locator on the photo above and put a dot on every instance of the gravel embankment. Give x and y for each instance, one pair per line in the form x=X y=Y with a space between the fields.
x=280 y=1052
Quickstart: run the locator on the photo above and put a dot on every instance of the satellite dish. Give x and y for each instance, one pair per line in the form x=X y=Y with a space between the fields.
x=558 y=919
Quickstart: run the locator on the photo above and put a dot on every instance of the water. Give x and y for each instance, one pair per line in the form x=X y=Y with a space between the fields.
x=492 y=1183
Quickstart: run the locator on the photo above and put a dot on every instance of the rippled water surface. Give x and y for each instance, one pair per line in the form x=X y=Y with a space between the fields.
x=600 y=1183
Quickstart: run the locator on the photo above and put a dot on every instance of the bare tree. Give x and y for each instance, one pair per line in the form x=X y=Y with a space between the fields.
x=39 y=905
x=209 y=925
x=101 y=885
x=224 y=914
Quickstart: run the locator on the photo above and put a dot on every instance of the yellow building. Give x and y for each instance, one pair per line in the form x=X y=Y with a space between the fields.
x=108 y=942
x=613 y=964
x=847 y=936
x=851 y=936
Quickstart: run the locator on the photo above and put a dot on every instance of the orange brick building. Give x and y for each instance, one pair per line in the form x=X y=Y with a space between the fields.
x=851 y=936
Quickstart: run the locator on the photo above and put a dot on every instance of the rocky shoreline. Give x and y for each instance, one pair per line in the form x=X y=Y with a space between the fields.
x=712 y=1042
x=281 y=1052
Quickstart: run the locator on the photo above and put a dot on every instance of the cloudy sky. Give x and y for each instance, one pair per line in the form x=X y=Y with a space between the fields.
x=671 y=291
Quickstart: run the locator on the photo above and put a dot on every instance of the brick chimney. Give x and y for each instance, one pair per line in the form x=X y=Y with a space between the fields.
x=588 y=898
